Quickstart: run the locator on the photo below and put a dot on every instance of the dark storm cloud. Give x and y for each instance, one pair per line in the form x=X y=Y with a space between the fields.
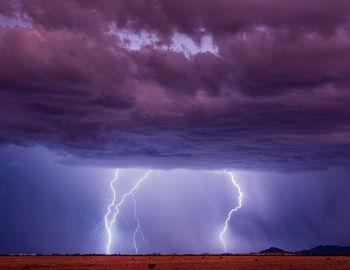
x=189 y=16
x=275 y=96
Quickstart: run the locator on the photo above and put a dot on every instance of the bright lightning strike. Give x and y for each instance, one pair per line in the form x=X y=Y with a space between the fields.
x=232 y=210
x=109 y=211
x=117 y=206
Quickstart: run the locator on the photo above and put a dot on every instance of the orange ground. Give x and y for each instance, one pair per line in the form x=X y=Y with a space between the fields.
x=175 y=262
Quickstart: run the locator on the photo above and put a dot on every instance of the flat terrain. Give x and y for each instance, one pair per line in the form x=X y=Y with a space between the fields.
x=260 y=262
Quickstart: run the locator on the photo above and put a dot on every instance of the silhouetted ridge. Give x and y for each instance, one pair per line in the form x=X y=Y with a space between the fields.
x=327 y=250
x=272 y=250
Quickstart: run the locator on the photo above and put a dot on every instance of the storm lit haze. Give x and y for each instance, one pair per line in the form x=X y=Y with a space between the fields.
x=133 y=127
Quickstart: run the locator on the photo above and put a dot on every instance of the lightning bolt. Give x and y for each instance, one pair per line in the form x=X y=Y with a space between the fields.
x=221 y=235
x=138 y=225
x=109 y=211
x=117 y=207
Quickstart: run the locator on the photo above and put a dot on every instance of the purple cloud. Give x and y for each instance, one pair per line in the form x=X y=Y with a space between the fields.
x=274 y=96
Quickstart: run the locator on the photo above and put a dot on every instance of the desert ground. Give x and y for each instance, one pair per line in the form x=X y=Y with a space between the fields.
x=260 y=262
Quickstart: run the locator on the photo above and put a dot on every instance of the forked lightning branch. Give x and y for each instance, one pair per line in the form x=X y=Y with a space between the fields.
x=113 y=210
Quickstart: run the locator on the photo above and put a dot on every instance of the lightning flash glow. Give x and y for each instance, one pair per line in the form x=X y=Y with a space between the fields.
x=117 y=206
x=221 y=235
x=113 y=210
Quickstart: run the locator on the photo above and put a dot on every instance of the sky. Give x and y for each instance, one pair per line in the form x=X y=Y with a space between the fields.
x=188 y=89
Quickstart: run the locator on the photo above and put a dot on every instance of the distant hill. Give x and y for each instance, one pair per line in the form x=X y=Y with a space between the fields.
x=319 y=250
x=326 y=250
x=272 y=250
